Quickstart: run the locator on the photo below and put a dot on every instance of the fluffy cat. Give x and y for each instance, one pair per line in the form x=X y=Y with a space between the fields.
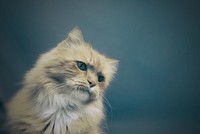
x=63 y=92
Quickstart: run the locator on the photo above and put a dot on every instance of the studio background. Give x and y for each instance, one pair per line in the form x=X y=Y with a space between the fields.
x=157 y=88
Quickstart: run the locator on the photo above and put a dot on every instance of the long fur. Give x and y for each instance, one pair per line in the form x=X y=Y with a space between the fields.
x=56 y=97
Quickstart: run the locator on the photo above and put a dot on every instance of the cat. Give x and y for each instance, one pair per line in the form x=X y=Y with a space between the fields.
x=63 y=92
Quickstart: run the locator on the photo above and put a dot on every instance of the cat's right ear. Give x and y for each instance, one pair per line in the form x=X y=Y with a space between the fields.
x=75 y=37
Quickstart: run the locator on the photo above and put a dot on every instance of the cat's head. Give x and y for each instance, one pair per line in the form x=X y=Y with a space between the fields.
x=75 y=65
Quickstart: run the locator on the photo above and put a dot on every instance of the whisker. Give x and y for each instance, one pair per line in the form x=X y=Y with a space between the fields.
x=72 y=92
x=108 y=104
x=51 y=90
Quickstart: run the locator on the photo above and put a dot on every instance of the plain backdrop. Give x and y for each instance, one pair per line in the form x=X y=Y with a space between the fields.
x=157 y=88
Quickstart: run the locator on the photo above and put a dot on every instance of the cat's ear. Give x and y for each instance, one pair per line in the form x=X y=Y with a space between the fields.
x=110 y=69
x=114 y=63
x=75 y=37
x=112 y=66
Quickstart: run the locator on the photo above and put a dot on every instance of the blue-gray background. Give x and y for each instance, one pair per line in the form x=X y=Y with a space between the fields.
x=157 y=88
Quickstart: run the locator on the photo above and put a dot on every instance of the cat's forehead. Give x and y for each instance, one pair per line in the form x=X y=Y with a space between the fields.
x=87 y=54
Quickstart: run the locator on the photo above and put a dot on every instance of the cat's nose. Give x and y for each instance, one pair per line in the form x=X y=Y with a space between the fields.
x=92 y=84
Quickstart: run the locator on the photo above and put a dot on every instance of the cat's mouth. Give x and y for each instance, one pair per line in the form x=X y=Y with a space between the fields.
x=85 y=90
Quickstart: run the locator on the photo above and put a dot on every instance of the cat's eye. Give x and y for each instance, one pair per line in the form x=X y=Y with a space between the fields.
x=82 y=66
x=101 y=78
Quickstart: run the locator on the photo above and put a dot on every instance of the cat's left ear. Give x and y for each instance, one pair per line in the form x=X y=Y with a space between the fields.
x=114 y=63
x=112 y=66
x=75 y=37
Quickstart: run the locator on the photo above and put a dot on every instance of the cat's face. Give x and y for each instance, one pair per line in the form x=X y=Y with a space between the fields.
x=81 y=69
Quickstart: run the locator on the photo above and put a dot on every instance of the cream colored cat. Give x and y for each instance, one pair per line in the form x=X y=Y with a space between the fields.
x=63 y=92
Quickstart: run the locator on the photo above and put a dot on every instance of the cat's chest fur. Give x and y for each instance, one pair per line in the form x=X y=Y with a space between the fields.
x=71 y=118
